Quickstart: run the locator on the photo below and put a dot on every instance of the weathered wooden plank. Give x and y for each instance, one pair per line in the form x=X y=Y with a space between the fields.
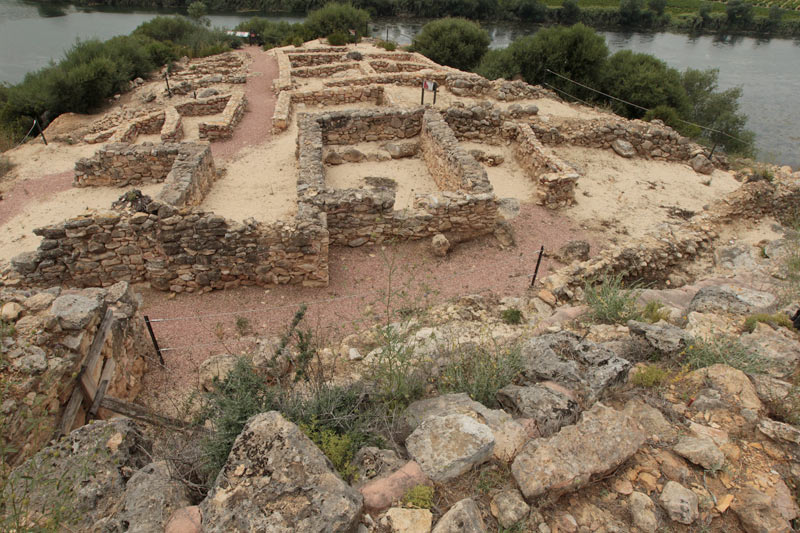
x=101 y=392
x=87 y=379
x=68 y=418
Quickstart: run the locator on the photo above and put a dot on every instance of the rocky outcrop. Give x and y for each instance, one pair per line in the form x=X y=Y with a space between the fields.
x=276 y=479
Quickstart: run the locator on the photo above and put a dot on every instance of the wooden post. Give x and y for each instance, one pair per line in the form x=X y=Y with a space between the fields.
x=166 y=79
x=41 y=132
x=153 y=338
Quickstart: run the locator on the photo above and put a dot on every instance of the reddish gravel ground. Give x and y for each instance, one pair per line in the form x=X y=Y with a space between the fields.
x=256 y=125
x=31 y=190
x=205 y=325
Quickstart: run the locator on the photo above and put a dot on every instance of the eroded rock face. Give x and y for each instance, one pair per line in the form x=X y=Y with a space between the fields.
x=757 y=513
x=93 y=464
x=549 y=408
x=680 y=503
x=602 y=440
x=276 y=479
x=732 y=299
x=463 y=517
x=445 y=447
x=152 y=495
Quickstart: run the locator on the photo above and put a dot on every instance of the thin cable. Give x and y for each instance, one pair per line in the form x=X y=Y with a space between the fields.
x=640 y=107
x=26 y=135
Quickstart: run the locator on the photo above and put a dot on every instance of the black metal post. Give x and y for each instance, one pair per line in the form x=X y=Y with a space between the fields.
x=435 y=90
x=422 y=97
x=41 y=132
x=166 y=79
x=153 y=338
x=538 y=262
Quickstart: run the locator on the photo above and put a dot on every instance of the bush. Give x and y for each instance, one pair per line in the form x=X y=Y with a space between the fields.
x=654 y=312
x=739 y=13
x=389 y=46
x=397 y=372
x=512 y=316
x=5 y=166
x=337 y=39
x=776 y=320
x=657 y=6
x=336 y=18
x=480 y=372
x=630 y=11
x=722 y=350
x=570 y=12
x=419 y=497
x=610 y=302
x=649 y=376
x=497 y=64
x=340 y=449
x=454 y=42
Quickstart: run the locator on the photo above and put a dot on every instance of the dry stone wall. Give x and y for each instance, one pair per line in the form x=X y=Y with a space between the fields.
x=203 y=106
x=224 y=126
x=323 y=71
x=146 y=125
x=309 y=58
x=172 y=130
x=555 y=179
x=352 y=127
x=346 y=95
x=381 y=65
x=54 y=329
x=486 y=123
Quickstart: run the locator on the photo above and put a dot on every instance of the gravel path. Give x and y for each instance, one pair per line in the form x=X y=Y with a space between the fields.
x=22 y=192
x=358 y=277
x=256 y=124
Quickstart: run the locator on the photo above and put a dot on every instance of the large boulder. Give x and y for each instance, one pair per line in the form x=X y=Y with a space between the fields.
x=758 y=514
x=445 y=447
x=732 y=299
x=576 y=363
x=276 y=479
x=92 y=466
x=548 y=407
x=602 y=440
x=152 y=495
x=463 y=517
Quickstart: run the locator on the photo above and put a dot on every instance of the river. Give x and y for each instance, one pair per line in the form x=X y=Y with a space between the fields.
x=768 y=71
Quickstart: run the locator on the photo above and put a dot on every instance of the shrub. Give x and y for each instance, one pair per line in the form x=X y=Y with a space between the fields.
x=419 y=497
x=657 y=6
x=480 y=372
x=336 y=18
x=776 y=320
x=610 y=302
x=197 y=11
x=454 y=42
x=739 y=13
x=340 y=449
x=243 y=326
x=649 y=376
x=570 y=12
x=397 y=372
x=722 y=350
x=512 y=316
x=337 y=39
x=497 y=64
x=630 y=11
x=654 y=311
x=389 y=46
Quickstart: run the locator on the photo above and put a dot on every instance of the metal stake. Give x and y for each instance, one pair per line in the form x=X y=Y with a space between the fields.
x=538 y=262
x=153 y=338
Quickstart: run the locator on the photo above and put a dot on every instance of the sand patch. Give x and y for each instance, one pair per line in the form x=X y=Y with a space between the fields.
x=508 y=179
x=633 y=196
x=33 y=159
x=260 y=183
x=411 y=175
x=16 y=235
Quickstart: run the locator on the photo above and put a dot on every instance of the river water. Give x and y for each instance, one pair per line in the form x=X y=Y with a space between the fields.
x=767 y=70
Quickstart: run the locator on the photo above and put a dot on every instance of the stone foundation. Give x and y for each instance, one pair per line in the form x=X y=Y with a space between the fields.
x=146 y=125
x=286 y=99
x=555 y=179
x=223 y=128
x=203 y=106
x=172 y=130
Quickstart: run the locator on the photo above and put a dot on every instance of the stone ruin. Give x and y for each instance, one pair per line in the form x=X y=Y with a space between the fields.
x=175 y=245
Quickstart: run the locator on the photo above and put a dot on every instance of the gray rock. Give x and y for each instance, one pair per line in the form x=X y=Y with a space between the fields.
x=643 y=512
x=11 y=311
x=151 y=496
x=757 y=513
x=75 y=311
x=700 y=451
x=769 y=389
x=463 y=517
x=216 y=368
x=779 y=431
x=95 y=462
x=602 y=440
x=400 y=150
x=509 y=508
x=651 y=420
x=734 y=257
x=445 y=447
x=550 y=409
x=578 y=364
x=573 y=251
x=623 y=148
x=39 y=301
x=732 y=299
x=779 y=348
x=663 y=337
x=701 y=164
x=440 y=245
x=375 y=463
x=679 y=502
x=508 y=208
x=207 y=93
x=276 y=479
x=29 y=359
x=333 y=158
x=352 y=155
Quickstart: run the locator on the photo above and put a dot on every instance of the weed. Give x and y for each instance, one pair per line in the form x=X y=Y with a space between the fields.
x=340 y=449
x=389 y=46
x=419 y=497
x=7 y=329
x=654 y=312
x=519 y=527
x=512 y=316
x=649 y=376
x=243 y=326
x=776 y=320
x=610 y=302
x=481 y=372
x=397 y=372
x=492 y=477
x=722 y=350
x=219 y=330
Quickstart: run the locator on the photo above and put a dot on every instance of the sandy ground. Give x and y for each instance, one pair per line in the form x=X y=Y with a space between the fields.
x=633 y=196
x=411 y=174
x=507 y=179
x=260 y=183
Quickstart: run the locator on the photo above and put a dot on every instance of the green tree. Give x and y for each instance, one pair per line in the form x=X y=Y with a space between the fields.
x=577 y=53
x=643 y=80
x=529 y=10
x=718 y=110
x=570 y=12
x=455 y=42
x=705 y=12
x=774 y=17
x=630 y=11
x=739 y=13
x=657 y=6
x=498 y=64
x=336 y=18
x=197 y=11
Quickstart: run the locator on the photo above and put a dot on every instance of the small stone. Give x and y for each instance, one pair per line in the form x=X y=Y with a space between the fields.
x=643 y=512
x=352 y=155
x=623 y=148
x=10 y=311
x=409 y=520
x=333 y=158
x=680 y=503
x=354 y=355
x=701 y=164
x=463 y=517
x=509 y=508
x=623 y=486
x=700 y=451
x=440 y=245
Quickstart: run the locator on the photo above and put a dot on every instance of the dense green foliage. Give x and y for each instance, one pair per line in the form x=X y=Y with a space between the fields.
x=336 y=18
x=455 y=42
x=580 y=54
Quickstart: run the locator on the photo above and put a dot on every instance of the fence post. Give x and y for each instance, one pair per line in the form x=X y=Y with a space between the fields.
x=153 y=338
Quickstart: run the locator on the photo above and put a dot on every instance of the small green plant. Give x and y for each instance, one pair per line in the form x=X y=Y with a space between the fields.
x=389 y=46
x=243 y=326
x=397 y=372
x=649 y=376
x=337 y=39
x=419 y=497
x=512 y=316
x=722 y=350
x=7 y=330
x=340 y=449
x=610 y=302
x=775 y=320
x=297 y=41
x=654 y=312
x=492 y=476
x=481 y=372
